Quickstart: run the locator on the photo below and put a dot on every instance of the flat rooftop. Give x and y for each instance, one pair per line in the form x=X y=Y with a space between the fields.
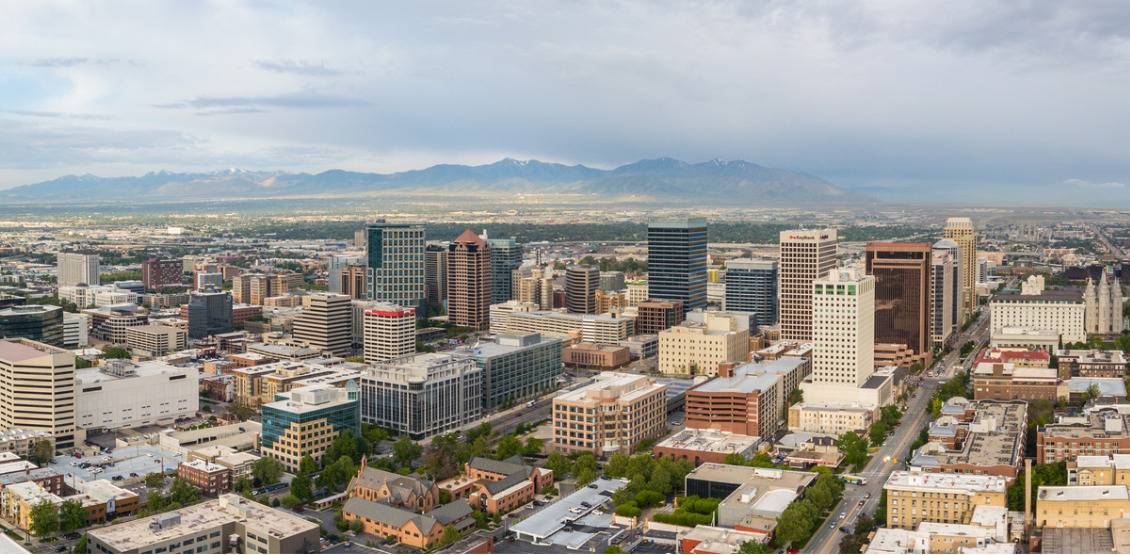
x=616 y=384
x=1067 y=295
x=1082 y=493
x=734 y=474
x=136 y=535
x=1100 y=425
x=556 y=516
x=1094 y=356
x=902 y=479
x=710 y=441
x=752 y=376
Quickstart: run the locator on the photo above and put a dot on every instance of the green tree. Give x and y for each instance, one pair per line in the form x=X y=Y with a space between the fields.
x=441 y=457
x=113 y=351
x=44 y=519
x=796 y=396
x=290 y=501
x=156 y=501
x=614 y=549
x=853 y=447
x=43 y=452
x=81 y=545
x=183 y=492
x=307 y=465
x=533 y=447
x=405 y=451
x=267 y=470
x=559 y=464
x=480 y=518
x=509 y=446
x=750 y=546
x=300 y=487
x=154 y=480
x=450 y=536
x=71 y=515
x=242 y=484
x=356 y=526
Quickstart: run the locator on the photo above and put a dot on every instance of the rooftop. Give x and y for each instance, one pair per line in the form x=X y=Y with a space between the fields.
x=996 y=437
x=1048 y=295
x=711 y=441
x=1102 y=424
x=610 y=386
x=1107 y=386
x=1094 y=356
x=752 y=376
x=1082 y=493
x=141 y=533
x=733 y=474
x=945 y=481
x=20 y=350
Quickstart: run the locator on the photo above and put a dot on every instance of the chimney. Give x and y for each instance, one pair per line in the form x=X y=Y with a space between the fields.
x=1027 y=495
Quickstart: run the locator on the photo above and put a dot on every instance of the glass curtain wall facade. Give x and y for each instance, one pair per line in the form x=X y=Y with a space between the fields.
x=751 y=286
x=395 y=263
x=676 y=261
x=35 y=322
x=902 y=293
x=505 y=257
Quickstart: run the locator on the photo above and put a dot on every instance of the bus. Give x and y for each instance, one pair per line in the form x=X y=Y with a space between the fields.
x=859 y=481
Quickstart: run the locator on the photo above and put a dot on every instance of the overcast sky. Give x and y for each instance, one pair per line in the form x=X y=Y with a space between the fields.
x=914 y=100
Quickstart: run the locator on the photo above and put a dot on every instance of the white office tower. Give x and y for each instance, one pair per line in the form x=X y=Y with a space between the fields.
x=805 y=257
x=78 y=267
x=390 y=332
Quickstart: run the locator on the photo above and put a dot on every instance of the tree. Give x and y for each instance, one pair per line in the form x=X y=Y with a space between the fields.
x=43 y=452
x=307 y=465
x=300 y=487
x=796 y=396
x=853 y=447
x=71 y=515
x=290 y=501
x=44 y=519
x=614 y=549
x=242 y=484
x=450 y=536
x=80 y=545
x=750 y=546
x=267 y=470
x=509 y=446
x=112 y=351
x=156 y=501
x=356 y=526
x=405 y=451
x=480 y=518
x=533 y=447
x=154 y=480
x=183 y=492
x=559 y=464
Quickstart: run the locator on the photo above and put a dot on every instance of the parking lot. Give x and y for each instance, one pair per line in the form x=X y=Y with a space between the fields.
x=124 y=461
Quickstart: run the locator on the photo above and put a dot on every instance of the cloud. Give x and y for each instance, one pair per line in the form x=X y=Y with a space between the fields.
x=319 y=69
x=1088 y=184
x=249 y=104
x=60 y=115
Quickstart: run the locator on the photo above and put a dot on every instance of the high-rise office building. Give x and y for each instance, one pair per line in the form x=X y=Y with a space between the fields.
x=806 y=255
x=335 y=265
x=435 y=274
x=843 y=328
x=942 y=306
x=326 y=324
x=961 y=231
x=902 y=295
x=469 y=282
x=676 y=260
x=751 y=286
x=78 y=267
x=209 y=313
x=42 y=323
x=505 y=257
x=352 y=278
x=422 y=395
x=612 y=281
x=516 y=366
x=951 y=249
x=533 y=285
x=653 y=317
x=37 y=389
x=395 y=256
x=390 y=332
x=581 y=283
x=158 y=274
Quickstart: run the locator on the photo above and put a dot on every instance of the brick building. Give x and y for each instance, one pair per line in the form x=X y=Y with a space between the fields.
x=1007 y=382
x=982 y=438
x=1092 y=363
x=159 y=274
x=656 y=316
x=748 y=399
x=505 y=485
x=604 y=357
x=1104 y=432
x=211 y=479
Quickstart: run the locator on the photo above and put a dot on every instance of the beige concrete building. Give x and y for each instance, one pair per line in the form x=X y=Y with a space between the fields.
x=326 y=325
x=1081 y=506
x=600 y=330
x=960 y=231
x=609 y=416
x=230 y=524
x=155 y=340
x=916 y=497
x=26 y=402
x=390 y=332
x=805 y=257
x=833 y=420
x=1060 y=310
x=698 y=347
x=1094 y=470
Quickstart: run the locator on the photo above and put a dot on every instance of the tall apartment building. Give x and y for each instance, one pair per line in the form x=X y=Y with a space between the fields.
x=209 y=313
x=422 y=395
x=254 y=288
x=805 y=257
x=158 y=274
x=395 y=256
x=699 y=345
x=435 y=274
x=37 y=390
x=505 y=257
x=676 y=260
x=843 y=324
x=608 y=301
x=653 y=317
x=610 y=415
x=352 y=280
x=305 y=421
x=945 y=276
x=43 y=323
x=960 y=231
x=581 y=283
x=535 y=286
x=78 y=267
x=751 y=286
x=516 y=367
x=469 y=282
x=336 y=264
x=390 y=332
x=902 y=296
x=747 y=399
x=326 y=324
x=916 y=497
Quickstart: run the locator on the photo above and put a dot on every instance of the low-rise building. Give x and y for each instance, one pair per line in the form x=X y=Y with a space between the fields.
x=978 y=438
x=830 y=419
x=228 y=524
x=705 y=445
x=211 y=479
x=1081 y=506
x=603 y=357
x=1094 y=470
x=1091 y=363
x=1103 y=432
x=601 y=330
x=21 y=442
x=1080 y=390
x=124 y=394
x=505 y=485
x=154 y=340
x=1020 y=357
x=422 y=531
x=916 y=497
x=609 y=416
x=392 y=489
x=17 y=501
x=1061 y=310
x=713 y=539
x=1025 y=337
x=752 y=498
x=1005 y=382
x=642 y=346
x=748 y=399
x=702 y=342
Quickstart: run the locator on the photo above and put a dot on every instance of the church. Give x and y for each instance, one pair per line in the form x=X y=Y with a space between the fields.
x=1104 y=305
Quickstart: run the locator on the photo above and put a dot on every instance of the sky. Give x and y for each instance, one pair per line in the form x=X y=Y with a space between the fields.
x=957 y=101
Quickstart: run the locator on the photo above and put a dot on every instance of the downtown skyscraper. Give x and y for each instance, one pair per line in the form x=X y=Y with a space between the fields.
x=806 y=255
x=751 y=286
x=961 y=231
x=395 y=263
x=676 y=261
x=469 y=282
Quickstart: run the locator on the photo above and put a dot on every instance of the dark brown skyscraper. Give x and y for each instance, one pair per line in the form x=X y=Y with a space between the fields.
x=468 y=282
x=656 y=316
x=902 y=295
x=581 y=283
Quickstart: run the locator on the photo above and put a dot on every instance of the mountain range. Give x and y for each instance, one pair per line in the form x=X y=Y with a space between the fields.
x=733 y=183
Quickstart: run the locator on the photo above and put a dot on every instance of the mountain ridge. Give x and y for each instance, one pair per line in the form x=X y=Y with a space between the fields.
x=659 y=180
